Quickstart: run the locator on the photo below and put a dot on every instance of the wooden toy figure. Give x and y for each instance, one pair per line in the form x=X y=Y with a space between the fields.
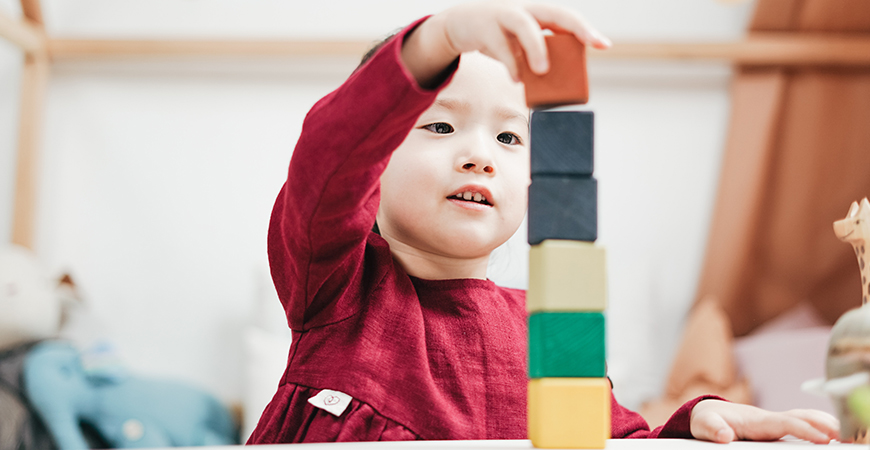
x=855 y=229
x=848 y=363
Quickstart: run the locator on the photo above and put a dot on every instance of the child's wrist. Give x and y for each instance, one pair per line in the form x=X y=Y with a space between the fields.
x=427 y=51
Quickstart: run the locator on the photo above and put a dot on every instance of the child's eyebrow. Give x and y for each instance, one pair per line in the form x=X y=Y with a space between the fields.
x=452 y=104
x=459 y=106
x=511 y=114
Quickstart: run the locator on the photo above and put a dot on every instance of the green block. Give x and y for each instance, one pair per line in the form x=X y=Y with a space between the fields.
x=566 y=344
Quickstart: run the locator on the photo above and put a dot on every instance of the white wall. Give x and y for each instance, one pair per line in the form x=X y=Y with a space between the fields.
x=158 y=176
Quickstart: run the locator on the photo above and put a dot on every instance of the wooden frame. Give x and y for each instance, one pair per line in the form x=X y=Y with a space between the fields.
x=23 y=33
x=93 y=49
x=34 y=81
x=28 y=33
x=32 y=11
x=757 y=49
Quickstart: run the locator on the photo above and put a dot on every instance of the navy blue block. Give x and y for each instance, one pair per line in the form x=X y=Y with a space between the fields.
x=563 y=207
x=562 y=143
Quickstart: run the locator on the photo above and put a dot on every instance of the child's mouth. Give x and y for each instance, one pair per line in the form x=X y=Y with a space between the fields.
x=469 y=196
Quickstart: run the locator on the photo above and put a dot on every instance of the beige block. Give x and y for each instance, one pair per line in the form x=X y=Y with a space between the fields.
x=567 y=276
x=569 y=412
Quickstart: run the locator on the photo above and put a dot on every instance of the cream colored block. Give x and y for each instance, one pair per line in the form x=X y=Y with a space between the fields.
x=569 y=412
x=567 y=276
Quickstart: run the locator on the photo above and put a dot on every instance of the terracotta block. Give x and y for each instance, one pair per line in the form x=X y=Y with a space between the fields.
x=567 y=276
x=567 y=344
x=569 y=412
x=562 y=142
x=566 y=82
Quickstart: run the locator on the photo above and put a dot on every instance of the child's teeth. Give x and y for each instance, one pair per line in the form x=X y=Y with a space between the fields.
x=466 y=195
x=477 y=196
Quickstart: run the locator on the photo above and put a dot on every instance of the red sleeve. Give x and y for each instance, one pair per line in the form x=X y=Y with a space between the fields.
x=628 y=424
x=326 y=208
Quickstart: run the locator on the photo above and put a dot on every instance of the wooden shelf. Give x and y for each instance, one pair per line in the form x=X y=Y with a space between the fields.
x=767 y=49
x=105 y=48
x=758 y=49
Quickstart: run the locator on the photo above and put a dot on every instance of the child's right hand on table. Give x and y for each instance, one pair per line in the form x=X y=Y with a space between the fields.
x=718 y=421
x=502 y=30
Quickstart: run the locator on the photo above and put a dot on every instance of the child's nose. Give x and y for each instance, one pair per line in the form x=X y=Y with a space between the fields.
x=475 y=167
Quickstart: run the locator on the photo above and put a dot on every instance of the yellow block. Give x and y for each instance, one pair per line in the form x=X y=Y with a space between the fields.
x=569 y=412
x=567 y=276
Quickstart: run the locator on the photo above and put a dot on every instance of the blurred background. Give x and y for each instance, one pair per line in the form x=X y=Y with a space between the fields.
x=156 y=176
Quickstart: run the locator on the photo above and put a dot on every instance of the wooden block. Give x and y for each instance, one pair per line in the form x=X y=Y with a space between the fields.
x=562 y=142
x=566 y=82
x=567 y=344
x=563 y=207
x=569 y=412
x=567 y=276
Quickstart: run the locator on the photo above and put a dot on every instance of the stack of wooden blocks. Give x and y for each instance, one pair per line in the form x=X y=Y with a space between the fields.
x=569 y=394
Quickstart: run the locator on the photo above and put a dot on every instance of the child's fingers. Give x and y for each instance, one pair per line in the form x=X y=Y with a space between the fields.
x=568 y=21
x=778 y=425
x=523 y=26
x=712 y=427
x=810 y=425
x=500 y=50
x=820 y=420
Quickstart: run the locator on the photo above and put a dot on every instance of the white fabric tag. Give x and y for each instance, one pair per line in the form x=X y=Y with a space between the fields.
x=333 y=402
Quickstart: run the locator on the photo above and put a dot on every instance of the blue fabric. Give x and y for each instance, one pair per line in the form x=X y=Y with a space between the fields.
x=128 y=412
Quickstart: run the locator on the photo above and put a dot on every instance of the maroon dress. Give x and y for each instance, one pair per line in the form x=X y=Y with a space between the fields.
x=420 y=359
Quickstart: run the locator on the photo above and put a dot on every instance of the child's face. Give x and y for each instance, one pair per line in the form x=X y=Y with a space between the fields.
x=474 y=139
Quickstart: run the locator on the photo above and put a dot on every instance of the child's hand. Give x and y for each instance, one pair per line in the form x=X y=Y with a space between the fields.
x=718 y=421
x=499 y=29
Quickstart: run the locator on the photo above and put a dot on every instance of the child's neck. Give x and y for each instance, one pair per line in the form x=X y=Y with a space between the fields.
x=432 y=266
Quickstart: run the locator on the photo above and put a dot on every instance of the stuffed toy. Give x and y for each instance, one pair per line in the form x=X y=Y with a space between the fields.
x=30 y=310
x=28 y=299
x=126 y=412
x=20 y=429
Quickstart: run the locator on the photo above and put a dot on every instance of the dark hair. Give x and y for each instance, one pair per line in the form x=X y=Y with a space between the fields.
x=377 y=46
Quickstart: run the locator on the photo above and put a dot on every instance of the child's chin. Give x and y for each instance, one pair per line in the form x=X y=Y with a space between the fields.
x=470 y=244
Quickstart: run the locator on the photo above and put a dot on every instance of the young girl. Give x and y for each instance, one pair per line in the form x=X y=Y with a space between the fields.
x=397 y=334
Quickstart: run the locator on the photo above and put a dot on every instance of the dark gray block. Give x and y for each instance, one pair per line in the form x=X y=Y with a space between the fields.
x=563 y=207
x=561 y=142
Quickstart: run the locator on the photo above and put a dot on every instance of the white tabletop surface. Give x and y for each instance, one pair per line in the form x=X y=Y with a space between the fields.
x=613 y=444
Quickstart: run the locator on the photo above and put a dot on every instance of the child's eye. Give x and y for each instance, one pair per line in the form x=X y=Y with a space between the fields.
x=439 y=128
x=509 y=138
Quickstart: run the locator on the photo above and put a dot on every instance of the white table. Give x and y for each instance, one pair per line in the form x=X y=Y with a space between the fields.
x=613 y=444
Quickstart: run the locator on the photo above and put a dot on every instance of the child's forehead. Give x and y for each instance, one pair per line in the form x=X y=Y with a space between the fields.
x=484 y=82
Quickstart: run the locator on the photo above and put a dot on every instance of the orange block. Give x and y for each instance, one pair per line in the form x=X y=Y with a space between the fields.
x=566 y=82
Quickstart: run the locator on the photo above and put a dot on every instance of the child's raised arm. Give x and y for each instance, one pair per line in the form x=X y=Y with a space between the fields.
x=323 y=216
x=499 y=29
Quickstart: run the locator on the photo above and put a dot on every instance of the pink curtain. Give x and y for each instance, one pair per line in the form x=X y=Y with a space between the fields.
x=797 y=155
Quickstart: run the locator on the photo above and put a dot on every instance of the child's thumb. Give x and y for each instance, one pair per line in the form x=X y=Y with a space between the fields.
x=712 y=427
